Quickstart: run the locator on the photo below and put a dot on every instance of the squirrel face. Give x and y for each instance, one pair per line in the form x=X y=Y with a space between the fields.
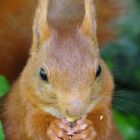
x=65 y=75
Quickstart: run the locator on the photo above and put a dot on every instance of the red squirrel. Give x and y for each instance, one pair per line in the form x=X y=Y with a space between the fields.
x=16 y=19
x=65 y=90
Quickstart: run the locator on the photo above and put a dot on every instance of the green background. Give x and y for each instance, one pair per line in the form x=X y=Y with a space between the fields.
x=123 y=58
x=4 y=87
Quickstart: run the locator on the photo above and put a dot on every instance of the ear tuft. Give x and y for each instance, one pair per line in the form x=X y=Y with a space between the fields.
x=89 y=26
x=41 y=30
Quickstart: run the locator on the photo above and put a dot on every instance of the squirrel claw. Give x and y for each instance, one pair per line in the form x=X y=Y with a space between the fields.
x=84 y=130
x=58 y=131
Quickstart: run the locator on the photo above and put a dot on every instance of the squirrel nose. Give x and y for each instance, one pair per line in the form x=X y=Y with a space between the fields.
x=75 y=107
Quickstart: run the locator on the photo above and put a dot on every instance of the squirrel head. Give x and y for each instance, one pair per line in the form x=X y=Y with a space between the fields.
x=65 y=75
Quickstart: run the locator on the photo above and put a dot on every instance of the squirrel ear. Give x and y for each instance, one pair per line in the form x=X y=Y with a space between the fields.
x=41 y=31
x=89 y=25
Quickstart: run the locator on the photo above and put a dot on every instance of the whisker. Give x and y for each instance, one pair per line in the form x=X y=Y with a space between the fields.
x=124 y=95
x=128 y=101
x=119 y=69
x=128 y=92
x=116 y=105
x=120 y=108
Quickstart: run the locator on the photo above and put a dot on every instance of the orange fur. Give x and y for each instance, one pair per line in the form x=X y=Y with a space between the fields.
x=70 y=57
x=15 y=35
x=16 y=31
x=107 y=11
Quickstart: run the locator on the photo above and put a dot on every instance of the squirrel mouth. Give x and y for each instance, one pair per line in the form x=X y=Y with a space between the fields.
x=71 y=119
x=74 y=119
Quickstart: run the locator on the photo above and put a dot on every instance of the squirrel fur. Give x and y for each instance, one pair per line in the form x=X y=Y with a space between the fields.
x=16 y=18
x=64 y=81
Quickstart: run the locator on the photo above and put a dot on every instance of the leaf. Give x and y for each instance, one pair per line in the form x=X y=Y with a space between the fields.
x=4 y=86
x=2 y=137
x=128 y=125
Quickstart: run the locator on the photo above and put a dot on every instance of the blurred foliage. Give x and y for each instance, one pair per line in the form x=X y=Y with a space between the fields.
x=129 y=125
x=4 y=88
x=1 y=133
x=123 y=58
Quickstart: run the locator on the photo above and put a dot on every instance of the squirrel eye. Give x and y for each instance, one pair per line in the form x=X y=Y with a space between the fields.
x=99 y=70
x=43 y=75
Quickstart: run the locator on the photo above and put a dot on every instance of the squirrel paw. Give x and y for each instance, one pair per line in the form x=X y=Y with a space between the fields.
x=83 y=130
x=58 y=130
